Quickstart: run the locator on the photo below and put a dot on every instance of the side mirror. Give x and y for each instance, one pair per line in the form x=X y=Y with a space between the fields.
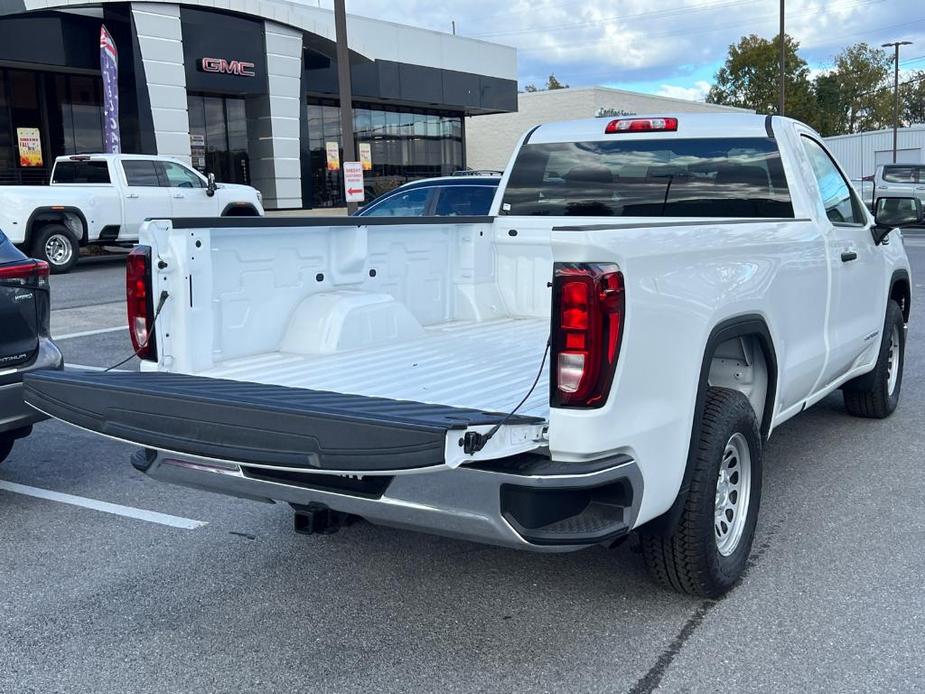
x=210 y=186
x=892 y=213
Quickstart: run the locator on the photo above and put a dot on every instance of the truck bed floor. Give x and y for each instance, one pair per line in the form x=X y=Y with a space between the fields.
x=481 y=365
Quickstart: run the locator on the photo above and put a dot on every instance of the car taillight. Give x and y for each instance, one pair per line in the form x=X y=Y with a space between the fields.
x=641 y=125
x=140 y=302
x=588 y=309
x=31 y=273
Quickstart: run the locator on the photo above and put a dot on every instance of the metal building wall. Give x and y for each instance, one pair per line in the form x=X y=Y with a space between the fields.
x=859 y=153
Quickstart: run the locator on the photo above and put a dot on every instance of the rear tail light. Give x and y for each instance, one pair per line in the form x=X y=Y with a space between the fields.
x=31 y=273
x=588 y=309
x=641 y=125
x=140 y=302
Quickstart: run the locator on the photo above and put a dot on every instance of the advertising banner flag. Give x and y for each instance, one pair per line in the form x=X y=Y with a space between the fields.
x=366 y=156
x=109 y=66
x=30 y=146
x=332 y=152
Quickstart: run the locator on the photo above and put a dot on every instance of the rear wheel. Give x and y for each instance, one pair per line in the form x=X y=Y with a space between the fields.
x=707 y=551
x=57 y=246
x=876 y=394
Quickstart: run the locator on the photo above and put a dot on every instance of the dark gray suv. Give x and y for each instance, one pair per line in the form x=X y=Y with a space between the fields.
x=25 y=343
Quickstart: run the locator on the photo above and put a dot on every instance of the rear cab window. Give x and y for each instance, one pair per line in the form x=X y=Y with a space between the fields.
x=901 y=174
x=676 y=177
x=80 y=172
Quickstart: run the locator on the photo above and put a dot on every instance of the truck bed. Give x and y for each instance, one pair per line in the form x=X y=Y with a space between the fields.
x=487 y=365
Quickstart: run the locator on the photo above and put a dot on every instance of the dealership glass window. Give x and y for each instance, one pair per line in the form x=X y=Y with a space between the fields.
x=66 y=109
x=218 y=136
x=7 y=142
x=405 y=144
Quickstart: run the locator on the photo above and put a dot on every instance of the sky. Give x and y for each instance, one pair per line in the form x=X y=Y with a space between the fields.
x=668 y=47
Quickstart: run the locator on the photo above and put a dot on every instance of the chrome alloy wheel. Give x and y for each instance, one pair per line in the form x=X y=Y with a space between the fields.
x=733 y=488
x=892 y=362
x=58 y=249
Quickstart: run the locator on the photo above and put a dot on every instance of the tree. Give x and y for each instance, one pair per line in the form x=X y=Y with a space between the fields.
x=553 y=83
x=864 y=100
x=912 y=99
x=750 y=78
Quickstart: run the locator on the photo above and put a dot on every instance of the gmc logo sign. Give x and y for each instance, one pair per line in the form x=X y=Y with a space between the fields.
x=221 y=66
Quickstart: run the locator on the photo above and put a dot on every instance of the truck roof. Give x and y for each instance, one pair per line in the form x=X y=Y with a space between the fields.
x=103 y=156
x=689 y=125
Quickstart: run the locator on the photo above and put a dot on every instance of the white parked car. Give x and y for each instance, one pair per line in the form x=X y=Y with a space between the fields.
x=899 y=181
x=105 y=198
x=652 y=299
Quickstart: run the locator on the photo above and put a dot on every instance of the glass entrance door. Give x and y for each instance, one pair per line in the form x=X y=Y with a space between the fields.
x=218 y=137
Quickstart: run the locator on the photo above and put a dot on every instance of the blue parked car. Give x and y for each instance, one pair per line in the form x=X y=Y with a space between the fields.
x=448 y=196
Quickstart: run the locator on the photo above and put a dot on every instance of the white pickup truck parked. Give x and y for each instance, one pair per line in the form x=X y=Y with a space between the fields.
x=650 y=299
x=105 y=198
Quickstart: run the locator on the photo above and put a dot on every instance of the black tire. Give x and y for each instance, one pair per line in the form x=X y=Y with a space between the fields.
x=687 y=558
x=870 y=395
x=6 y=445
x=57 y=263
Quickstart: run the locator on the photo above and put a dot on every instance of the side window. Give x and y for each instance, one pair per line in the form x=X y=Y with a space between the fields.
x=140 y=172
x=465 y=200
x=412 y=203
x=841 y=207
x=899 y=174
x=178 y=176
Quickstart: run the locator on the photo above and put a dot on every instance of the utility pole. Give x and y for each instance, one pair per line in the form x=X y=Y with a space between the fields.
x=345 y=89
x=783 y=59
x=895 y=45
x=454 y=27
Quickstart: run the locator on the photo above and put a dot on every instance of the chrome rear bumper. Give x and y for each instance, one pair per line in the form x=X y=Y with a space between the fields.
x=521 y=503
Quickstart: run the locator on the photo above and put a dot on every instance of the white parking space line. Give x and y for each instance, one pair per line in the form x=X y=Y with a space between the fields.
x=104 y=506
x=88 y=333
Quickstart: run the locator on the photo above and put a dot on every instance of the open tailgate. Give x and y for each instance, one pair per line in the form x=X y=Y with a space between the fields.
x=256 y=423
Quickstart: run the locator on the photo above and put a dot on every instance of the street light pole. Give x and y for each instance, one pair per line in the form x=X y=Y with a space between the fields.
x=895 y=45
x=783 y=59
x=344 y=88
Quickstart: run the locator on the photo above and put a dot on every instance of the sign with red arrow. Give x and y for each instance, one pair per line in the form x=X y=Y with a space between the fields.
x=353 y=181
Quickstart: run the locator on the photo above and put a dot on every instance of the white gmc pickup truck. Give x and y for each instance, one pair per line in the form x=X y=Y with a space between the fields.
x=105 y=198
x=608 y=351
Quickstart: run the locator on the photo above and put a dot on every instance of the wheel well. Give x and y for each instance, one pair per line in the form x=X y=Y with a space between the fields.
x=740 y=355
x=240 y=209
x=901 y=293
x=739 y=364
x=72 y=219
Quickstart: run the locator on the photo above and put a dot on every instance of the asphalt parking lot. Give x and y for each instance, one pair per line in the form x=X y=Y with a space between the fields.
x=201 y=593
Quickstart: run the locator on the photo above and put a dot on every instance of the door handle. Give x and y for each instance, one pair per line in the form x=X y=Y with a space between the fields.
x=132 y=195
x=848 y=256
x=179 y=195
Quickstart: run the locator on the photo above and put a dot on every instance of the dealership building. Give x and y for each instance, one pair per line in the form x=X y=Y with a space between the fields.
x=246 y=89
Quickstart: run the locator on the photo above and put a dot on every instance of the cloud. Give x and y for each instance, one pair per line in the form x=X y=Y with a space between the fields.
x=587 y=42
x=696 y=93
